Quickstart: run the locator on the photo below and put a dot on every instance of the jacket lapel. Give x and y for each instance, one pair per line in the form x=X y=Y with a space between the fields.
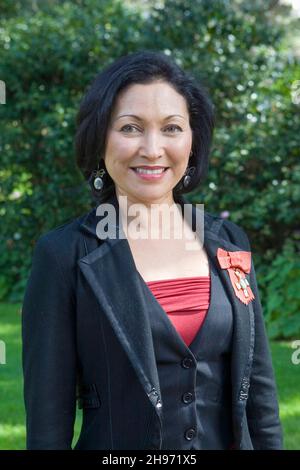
x=111 y=272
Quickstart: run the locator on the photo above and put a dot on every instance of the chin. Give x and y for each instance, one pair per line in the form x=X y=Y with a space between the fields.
x=151 y=197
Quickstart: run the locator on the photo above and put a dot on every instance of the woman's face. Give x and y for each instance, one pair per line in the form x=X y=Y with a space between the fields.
x=149 y=127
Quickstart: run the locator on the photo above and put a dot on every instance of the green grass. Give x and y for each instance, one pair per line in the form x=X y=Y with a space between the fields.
x=12 y=413
x=12 y=416
x=288 y=384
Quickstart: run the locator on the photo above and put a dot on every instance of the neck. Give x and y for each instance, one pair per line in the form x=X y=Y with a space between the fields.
x=158 y=219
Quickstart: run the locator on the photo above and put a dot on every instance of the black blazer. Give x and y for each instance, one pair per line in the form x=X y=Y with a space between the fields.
x=86 y=335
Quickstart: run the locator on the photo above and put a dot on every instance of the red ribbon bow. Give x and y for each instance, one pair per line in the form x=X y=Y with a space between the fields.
x=237 y=264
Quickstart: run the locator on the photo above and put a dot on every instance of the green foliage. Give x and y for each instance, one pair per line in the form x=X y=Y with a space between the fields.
x=48 y=61
x=51 y=50
x=282 y=288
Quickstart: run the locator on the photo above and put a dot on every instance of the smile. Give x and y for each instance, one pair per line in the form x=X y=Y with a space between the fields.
x=147 y=174
x=150 y=172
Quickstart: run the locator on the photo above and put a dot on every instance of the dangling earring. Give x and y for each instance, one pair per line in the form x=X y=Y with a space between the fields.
x=97 y=175
x=188 y=174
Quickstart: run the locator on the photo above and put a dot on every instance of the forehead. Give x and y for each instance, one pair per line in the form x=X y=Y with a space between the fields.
x=157 y=96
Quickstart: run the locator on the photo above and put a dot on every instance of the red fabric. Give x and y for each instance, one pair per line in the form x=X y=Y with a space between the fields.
x=185 y=301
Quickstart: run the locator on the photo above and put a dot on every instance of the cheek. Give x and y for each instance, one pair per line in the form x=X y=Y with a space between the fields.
x=120 y=146
x=180 y=154
x=180 y=146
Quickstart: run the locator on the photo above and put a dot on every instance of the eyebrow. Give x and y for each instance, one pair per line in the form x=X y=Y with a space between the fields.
x=140 y=119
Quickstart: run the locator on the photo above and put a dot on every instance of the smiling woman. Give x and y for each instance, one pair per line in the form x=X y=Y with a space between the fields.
x=151 y=114
x=147 y=152
x=163 y=346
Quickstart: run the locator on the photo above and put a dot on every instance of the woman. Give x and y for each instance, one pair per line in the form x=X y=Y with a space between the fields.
x=164 y=345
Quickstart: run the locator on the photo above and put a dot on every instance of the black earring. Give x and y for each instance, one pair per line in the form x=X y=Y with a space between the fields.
x=188 y=174
x=98 y=175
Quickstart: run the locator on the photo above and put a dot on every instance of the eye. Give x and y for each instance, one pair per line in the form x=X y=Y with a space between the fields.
x=128 y=126
x=173 y=126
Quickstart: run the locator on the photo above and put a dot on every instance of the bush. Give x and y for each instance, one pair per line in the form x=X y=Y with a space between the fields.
x=51 y=52
x=282 y=291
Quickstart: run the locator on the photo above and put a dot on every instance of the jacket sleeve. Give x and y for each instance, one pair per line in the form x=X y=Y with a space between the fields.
x=49 y=352
x=262 y=408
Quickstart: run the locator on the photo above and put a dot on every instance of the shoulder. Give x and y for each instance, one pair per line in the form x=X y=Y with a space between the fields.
x=237 y=233
x=228 y=230
x=222 y=227
x=63 y=242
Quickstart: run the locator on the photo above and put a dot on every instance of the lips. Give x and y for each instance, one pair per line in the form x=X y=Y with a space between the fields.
x=149 y=173
x=144 y=167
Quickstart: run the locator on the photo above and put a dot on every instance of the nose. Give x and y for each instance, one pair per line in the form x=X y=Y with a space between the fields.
x=152 y=145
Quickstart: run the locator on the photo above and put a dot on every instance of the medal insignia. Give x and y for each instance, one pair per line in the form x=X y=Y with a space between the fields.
x=238 y=264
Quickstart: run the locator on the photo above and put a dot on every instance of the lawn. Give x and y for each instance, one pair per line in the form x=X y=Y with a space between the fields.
x=12 y=417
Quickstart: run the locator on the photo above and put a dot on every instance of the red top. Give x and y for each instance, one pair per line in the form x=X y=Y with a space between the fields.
x=185 y=301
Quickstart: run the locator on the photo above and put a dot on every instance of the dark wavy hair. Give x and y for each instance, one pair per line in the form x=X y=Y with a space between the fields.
x=143 y=67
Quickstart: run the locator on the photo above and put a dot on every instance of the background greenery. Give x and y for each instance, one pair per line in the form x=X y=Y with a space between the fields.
x=52 y=50
x=247 y=55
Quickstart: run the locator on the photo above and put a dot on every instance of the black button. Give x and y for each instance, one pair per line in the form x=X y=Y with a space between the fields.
x=187 y=397
x=187 y=362
x=190 y=434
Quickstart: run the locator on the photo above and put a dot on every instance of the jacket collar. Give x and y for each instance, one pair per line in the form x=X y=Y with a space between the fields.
x=111 y=272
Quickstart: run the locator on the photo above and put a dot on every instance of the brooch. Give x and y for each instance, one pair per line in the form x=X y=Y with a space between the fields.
x=237 y=264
